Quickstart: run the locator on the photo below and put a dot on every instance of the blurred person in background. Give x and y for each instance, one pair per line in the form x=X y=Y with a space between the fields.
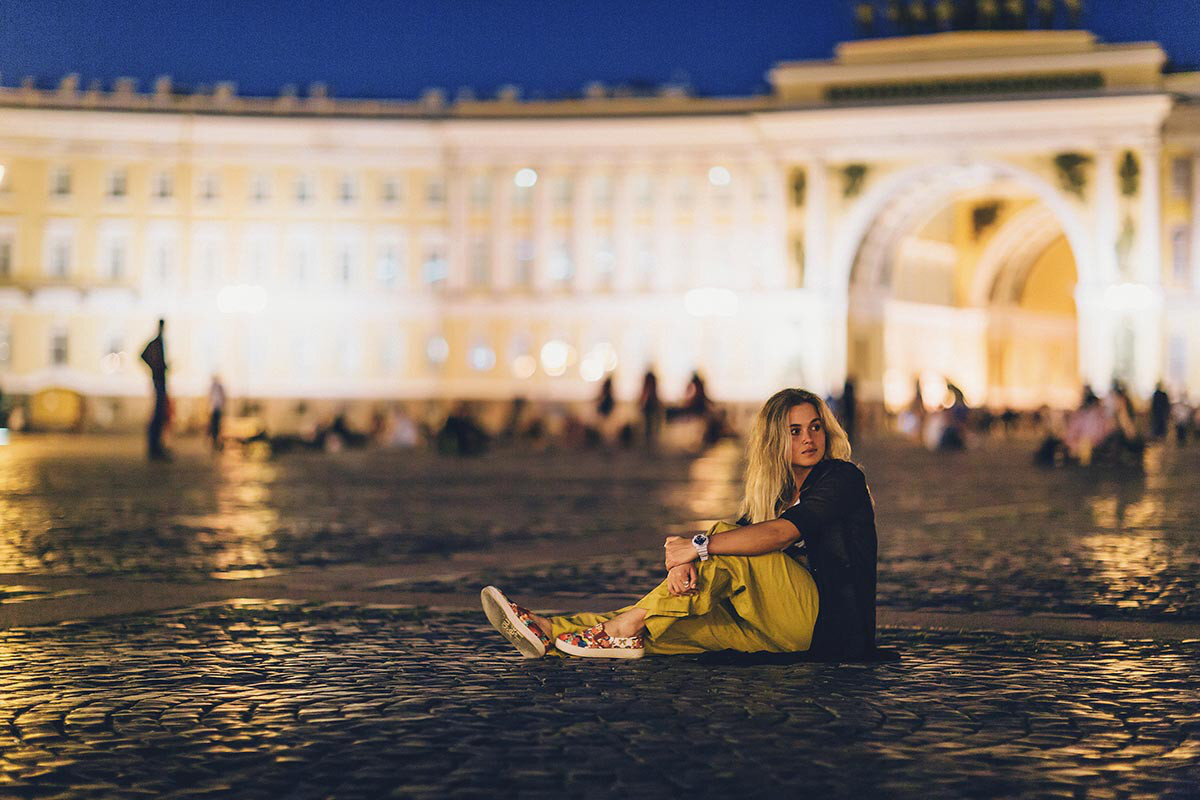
x=651 y=408
x=216 y=410
x=1160 y=412
x=155 y=358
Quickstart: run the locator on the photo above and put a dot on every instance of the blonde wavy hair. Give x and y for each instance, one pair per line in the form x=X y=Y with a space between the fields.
x=770 y=483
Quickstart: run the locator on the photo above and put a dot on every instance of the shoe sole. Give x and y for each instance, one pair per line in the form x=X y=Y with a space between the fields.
x=598 y=652
x=509 y=625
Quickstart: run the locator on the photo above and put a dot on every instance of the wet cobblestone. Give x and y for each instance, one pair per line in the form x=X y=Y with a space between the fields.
x=277 y=699
x=975 y=531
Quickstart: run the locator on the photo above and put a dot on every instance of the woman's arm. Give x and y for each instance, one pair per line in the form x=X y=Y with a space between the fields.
x=752 y=540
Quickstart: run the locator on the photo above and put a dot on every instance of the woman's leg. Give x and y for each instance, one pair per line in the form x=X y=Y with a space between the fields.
x=746 y=603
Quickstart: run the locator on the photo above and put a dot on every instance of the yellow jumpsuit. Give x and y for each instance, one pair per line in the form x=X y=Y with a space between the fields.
x=745 y=603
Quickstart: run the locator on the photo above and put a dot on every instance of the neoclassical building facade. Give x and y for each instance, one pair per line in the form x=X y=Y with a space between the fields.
x=1017 y=212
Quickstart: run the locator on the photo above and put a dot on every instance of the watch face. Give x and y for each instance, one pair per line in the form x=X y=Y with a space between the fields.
x=699 y=540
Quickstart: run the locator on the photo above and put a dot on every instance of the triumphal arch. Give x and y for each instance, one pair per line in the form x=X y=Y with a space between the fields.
x=1014 y=242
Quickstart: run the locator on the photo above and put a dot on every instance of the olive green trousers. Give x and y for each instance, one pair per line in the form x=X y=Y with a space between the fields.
x=752 y=604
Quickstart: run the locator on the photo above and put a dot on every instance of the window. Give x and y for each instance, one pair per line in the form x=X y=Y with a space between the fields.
x=305 y=190
x=562 y=267
x=523 y=198
x=302 y=355
x=564 y=193
x=260 y=188
x=643 y=191
x=644 y=258
x=391 y=353
x=208 y=263
x=605 y=260
x=1181 y=177
x=762 y=189
x=1181 y=255
x=389 y=265
x=435 y=192
x=685 y=189
x=345 y=265
x=59 y=257
x=58 y=346
x=6 y=256
x=602 y=192
x=210 y=187
x=523 y=274
x=164 y=262
x=433 y=267
x=481 y=262
x=347 y=353
x=117 y=185
x=481 y=192
x=164 y=186
x=1177 y=360
x=391 y=192
x=115 y=258
x=347 y=190
x=301 y=264
x=60 y=182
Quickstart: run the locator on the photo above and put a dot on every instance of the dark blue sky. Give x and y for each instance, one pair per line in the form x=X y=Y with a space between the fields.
x=375 y=48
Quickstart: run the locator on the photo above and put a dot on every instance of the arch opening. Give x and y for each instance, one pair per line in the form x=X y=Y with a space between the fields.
x=966 y=275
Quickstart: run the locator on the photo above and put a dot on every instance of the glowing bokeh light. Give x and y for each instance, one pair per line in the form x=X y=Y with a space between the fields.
x=719 y=176
x=525 y=178
x=524 y=366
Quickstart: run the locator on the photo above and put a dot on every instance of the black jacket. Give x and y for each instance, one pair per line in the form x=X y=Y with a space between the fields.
x=836 y=521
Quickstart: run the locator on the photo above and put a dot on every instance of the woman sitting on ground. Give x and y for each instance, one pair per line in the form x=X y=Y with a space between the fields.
x=799 y=577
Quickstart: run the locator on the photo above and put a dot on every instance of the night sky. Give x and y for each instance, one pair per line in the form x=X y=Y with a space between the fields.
x=550 y=48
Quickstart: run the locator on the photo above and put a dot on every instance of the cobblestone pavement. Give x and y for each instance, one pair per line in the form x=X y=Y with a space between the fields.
x=292 y=700
x=975 y=531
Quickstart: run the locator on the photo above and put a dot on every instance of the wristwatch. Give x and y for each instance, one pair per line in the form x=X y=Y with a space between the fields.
x=700 y=542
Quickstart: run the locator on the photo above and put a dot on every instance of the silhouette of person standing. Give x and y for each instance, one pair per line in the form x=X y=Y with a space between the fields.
x=651 y=408
x=216 y=410
x=155 y=357
x=849 y=408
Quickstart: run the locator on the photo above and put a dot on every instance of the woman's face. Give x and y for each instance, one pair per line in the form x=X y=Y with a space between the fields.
x=808 y=436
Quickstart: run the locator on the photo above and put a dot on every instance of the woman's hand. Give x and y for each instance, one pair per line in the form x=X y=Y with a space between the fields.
x=679 y=550
x=681 y=581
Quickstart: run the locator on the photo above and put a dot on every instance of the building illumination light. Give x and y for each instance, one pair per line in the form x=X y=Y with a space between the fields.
x=711 y=302
x=113 y=362
x=591 y=370
x=525 y=178
x=242 y=298
x=606 y=355
x=1128 y=297
x=719 y=176
x=482 y=358
x=437 y=350
x=557 y=355
x=524 y=366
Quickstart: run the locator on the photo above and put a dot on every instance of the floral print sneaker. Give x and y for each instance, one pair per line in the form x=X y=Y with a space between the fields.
x=595 y=643
x=514 y=623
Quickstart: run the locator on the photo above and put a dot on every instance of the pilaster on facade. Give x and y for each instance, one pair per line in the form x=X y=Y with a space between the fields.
x=458 y=264
x=503 y=241
x=1195 y=221
x=1106 y=210
x=583 y=231
x=543 y=234
x=625 y=276
x=816 y=225
x=1150 y=223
